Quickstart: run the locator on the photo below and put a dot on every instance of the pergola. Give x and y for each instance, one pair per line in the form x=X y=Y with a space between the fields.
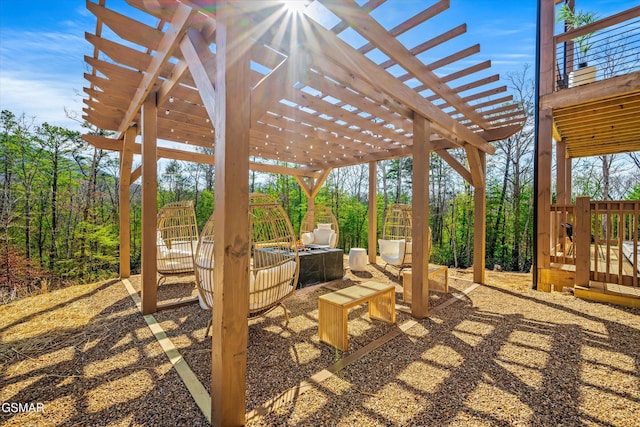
x=262 y=83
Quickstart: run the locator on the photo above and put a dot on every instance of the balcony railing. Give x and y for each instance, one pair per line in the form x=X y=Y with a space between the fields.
x=562 y=220
x=607 y=48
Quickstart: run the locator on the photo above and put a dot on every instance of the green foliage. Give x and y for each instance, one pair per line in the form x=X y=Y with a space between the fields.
x=575 y=19
x=204 y=208
x=58 y=224
x=634 y=194
x=60 y=207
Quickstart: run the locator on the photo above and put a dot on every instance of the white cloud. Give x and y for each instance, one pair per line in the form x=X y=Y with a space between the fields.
x=42 y=75
x=46 y=99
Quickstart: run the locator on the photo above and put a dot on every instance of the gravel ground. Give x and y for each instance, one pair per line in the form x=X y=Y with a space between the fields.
x=502 y=355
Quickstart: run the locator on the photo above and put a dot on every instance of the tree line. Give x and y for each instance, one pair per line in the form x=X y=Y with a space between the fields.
x=59 y=200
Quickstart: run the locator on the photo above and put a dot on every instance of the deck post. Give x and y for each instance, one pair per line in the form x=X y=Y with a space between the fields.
x=373 y=213
x=561 y=174
x=149 y=272
x=582 y=239
x=544 y=140
x=420 y=217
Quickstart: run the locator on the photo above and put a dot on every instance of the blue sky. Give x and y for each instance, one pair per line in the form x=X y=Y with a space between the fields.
x=42 y=44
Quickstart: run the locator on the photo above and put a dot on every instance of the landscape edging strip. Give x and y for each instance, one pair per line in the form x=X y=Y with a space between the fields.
x=195 y=387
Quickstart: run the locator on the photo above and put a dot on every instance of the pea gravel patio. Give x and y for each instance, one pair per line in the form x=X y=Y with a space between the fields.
x=497 y=355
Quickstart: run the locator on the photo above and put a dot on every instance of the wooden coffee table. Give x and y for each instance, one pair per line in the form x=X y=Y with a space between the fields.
x=333 y=309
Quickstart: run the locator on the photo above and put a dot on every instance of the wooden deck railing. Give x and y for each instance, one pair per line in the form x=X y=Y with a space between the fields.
x=605 y=237
x=562 y=220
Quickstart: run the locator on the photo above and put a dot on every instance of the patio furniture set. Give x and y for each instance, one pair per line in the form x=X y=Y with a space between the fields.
x=280 y=262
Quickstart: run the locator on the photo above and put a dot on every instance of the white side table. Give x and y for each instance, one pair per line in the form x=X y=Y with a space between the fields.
x=358 y=259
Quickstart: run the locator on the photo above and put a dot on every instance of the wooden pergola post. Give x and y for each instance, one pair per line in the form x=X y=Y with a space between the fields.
x=420 y=217
x=311 y=187
x=148 y=293
x=478 y=168
x=480 y=221
x=373 y=213
x=308 y=192
x=126 y=158
x=311 y=208
x=231 y=251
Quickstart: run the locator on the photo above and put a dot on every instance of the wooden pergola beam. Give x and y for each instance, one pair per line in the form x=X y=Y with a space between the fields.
x=319 y=182
x=352 y=125
x=168 y=44
x=363 y=68
x=456 y=165
x=312 y=185
x=277 y=84
x=475 y=166
x=181 y=70
x=196 y=157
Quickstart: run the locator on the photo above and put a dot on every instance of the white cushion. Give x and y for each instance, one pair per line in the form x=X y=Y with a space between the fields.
x=162 y=251
x=325 y=226
x=183 y=247
x=392 y=251
x=322 y=237
x=270 y=285
x=307 y=238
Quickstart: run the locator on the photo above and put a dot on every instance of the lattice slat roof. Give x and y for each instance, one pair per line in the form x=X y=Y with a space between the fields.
x=317 y=100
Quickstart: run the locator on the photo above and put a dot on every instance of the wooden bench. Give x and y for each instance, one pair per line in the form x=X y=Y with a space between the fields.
x=434 y=270
x=333 y=309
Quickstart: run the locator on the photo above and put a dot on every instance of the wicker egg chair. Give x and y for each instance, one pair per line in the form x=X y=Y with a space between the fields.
x=176 y=239
x=321 y=229
x=274 y=265
x=396 y=245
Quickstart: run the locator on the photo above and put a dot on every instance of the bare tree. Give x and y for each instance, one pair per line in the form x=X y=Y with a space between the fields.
x=57 y=142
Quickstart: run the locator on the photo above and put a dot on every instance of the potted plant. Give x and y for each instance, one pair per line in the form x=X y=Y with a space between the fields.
x=572 y=19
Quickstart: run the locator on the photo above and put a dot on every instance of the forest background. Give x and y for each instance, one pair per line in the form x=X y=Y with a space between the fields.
x=59 y=200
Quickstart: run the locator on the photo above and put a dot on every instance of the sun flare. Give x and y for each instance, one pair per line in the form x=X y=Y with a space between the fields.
x=296 y=6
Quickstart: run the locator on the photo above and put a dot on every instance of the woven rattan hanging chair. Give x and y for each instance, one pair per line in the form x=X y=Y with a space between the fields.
x=176 y=239
x=320 y=228
x=395 y=244
x=274 y=265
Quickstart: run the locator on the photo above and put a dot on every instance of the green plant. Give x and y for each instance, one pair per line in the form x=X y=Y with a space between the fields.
x=573 y=20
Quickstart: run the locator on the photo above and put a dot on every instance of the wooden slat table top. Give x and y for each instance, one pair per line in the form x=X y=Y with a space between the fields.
x=356 y=294
x=433 y=270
